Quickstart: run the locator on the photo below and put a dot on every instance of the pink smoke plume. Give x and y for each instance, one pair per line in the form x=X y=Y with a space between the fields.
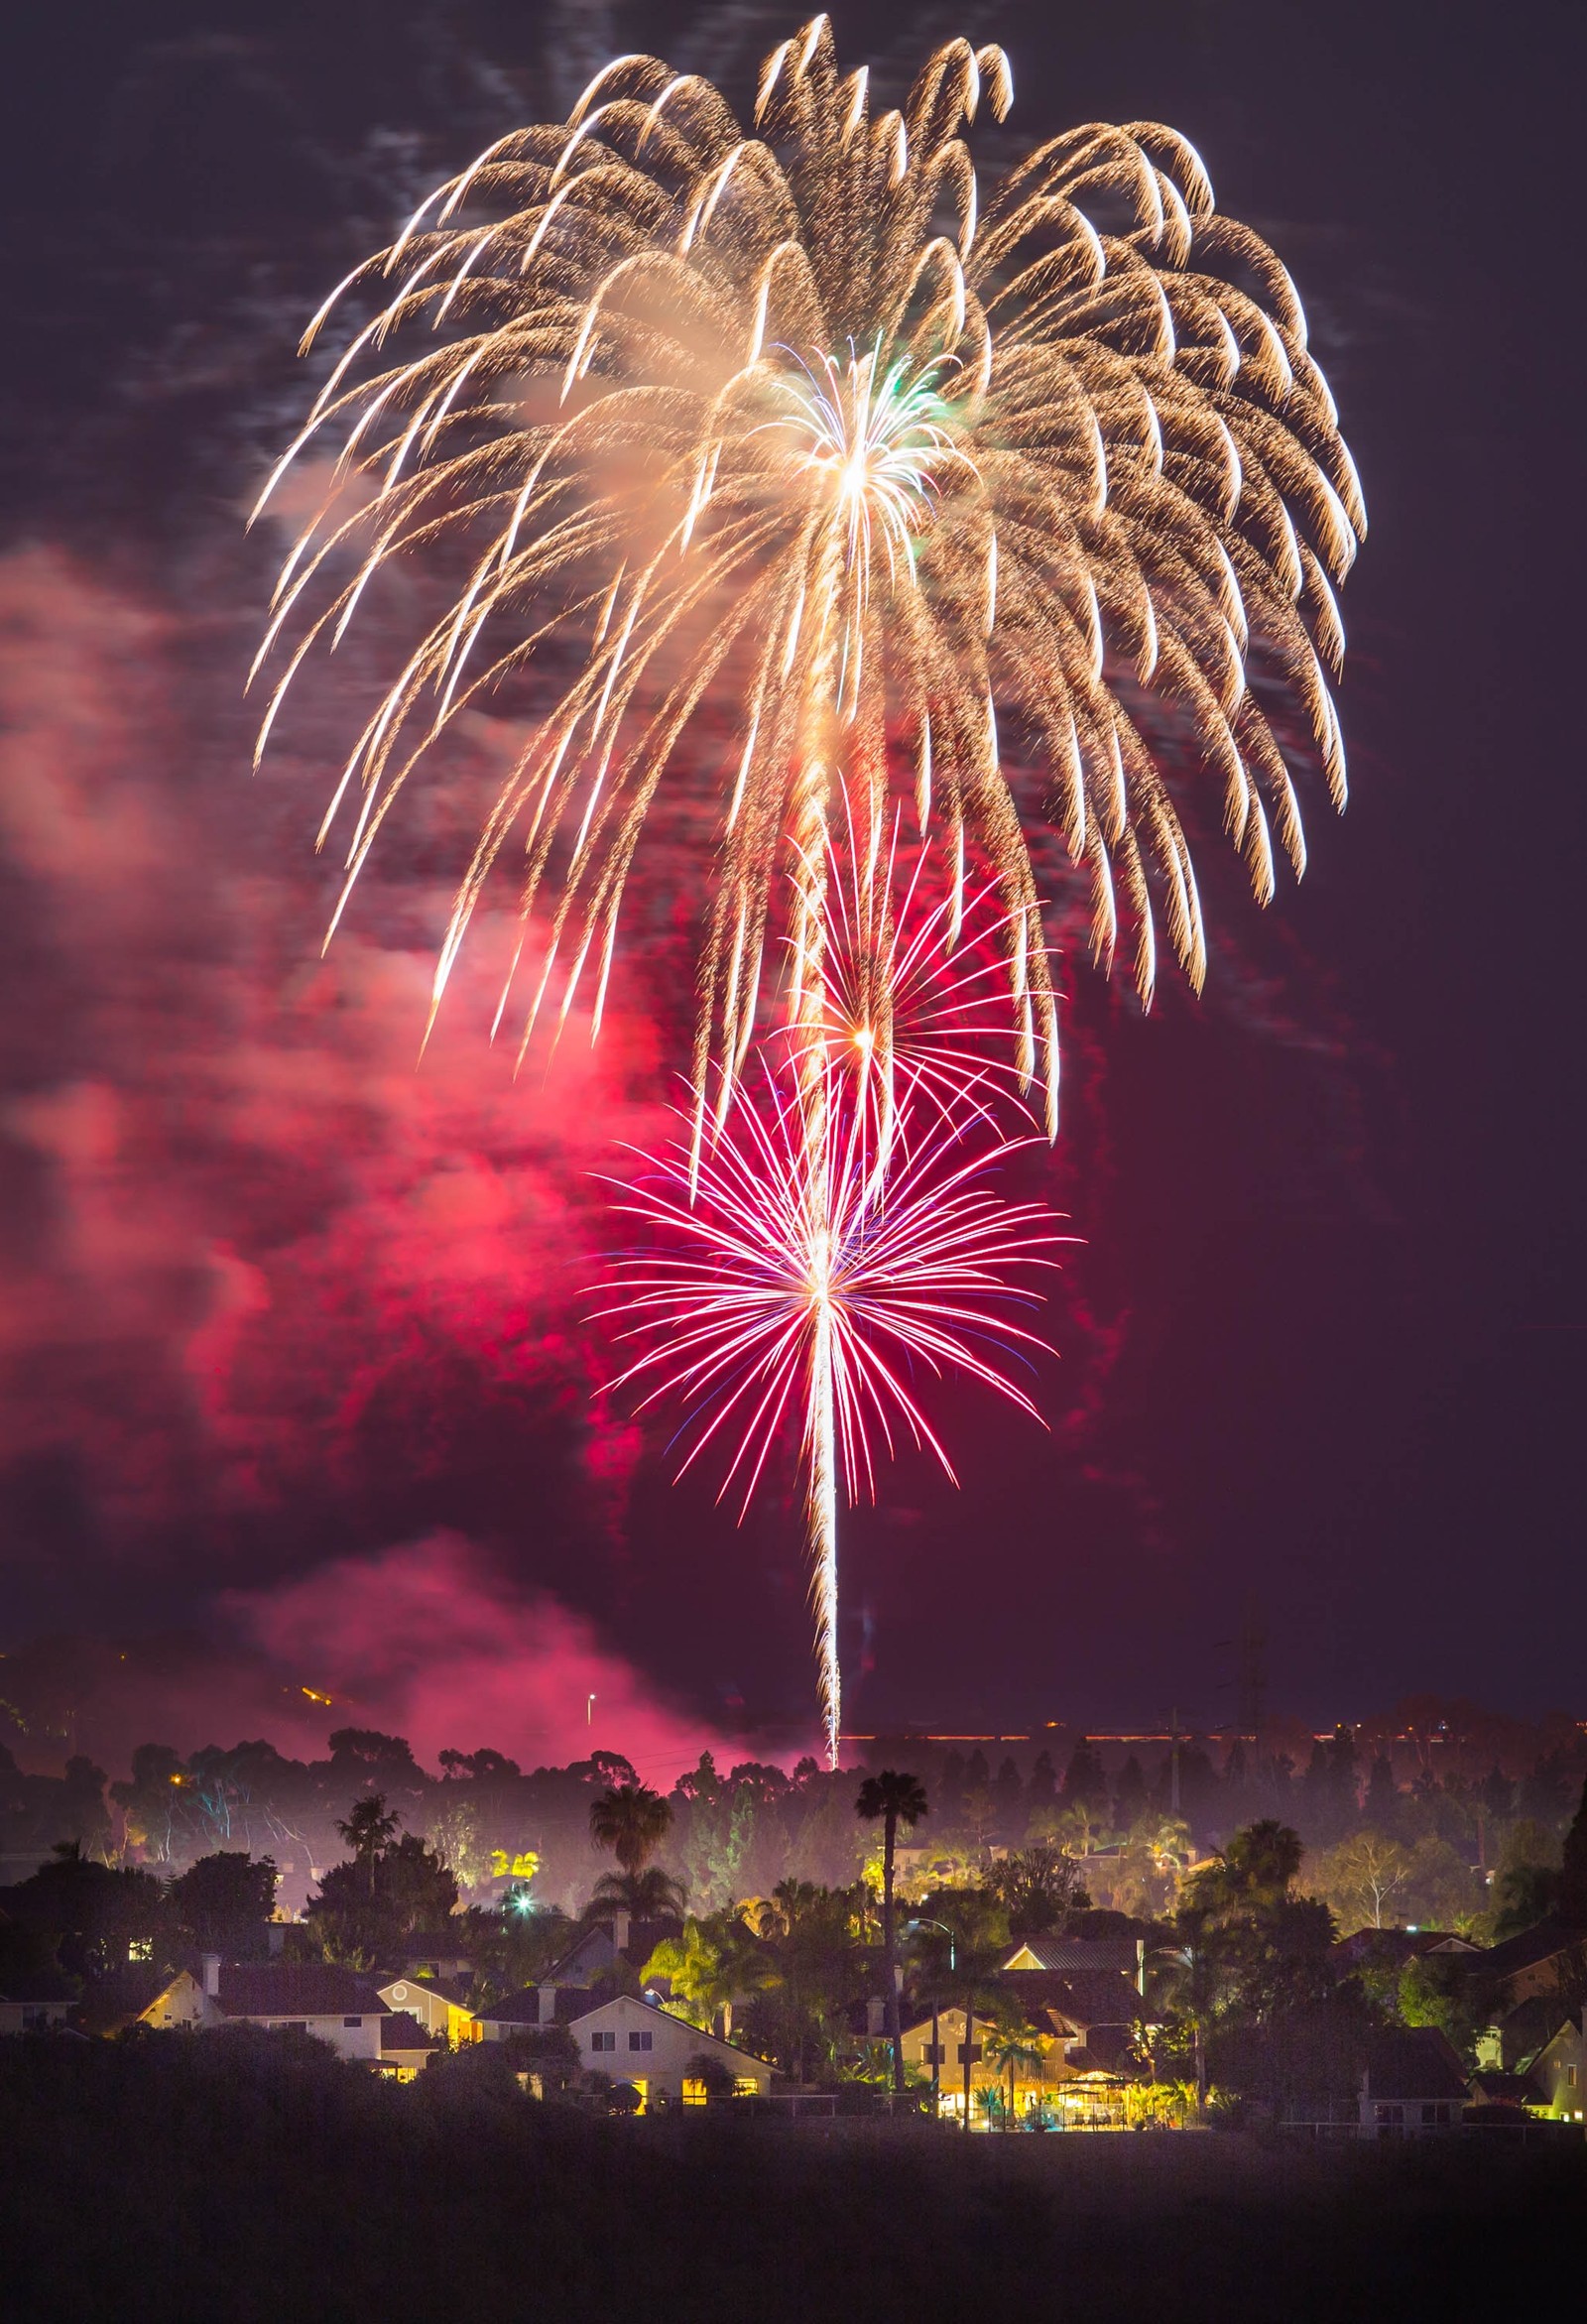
x=252 y=1229
x=422 y=1642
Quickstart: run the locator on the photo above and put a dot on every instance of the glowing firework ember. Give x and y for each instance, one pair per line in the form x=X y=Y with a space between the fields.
x=714 y=417
x=778 y=1288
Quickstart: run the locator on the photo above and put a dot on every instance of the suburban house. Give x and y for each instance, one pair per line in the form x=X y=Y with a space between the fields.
x=1558 y=2072
x=437 y=2004
x=1538 y=1961
x=1412 y=2083
x=1395 y=1946
x=35 y=2005
x=1079 y=1956
x=635 y=2043
x=406 y=2047
x=606 y=1950
x=333 y=2004
x=141 y=1997
x=1094 y=2017
x=519 y=2012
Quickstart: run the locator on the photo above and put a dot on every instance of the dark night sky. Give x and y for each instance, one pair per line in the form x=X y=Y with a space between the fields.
x=1325 y=1346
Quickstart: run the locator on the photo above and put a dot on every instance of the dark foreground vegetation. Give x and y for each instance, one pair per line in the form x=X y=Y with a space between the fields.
x=246 y=2177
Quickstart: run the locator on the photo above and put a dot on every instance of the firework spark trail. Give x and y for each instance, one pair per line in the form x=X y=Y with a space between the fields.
x=764 y=1295
x=707 y=417
x=728 y=418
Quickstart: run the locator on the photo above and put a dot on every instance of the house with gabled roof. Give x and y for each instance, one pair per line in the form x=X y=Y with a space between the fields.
x=1072 y=1956
x=1538 y=1961
x=1558 y=2071
x=334 y=2005
x=439 y=2004
x=654 y=2051
x=1412 y=2083
x=35 y=2003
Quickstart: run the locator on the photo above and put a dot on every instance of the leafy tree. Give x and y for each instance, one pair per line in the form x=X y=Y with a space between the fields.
x=815 y=1970
x=1498 y=1795
x=716 y=2080
x=632 y=1821
x=1362 y=1878
x=1453 y=1992
x=511 y=1947
x=393 y=1897
x=454 y=1837
x=84 y=1815
x=1042 y=1788
x=224 y=1902
x=1085 y=1781
x=893 y=1799
x=1038 y=1888
x=1131 y=1799
x=1008 y=1801
x=364 y=1759
x=548 y=2052
x=1442 y=1891
x=1573 y=1868
x=1526 y=1881
x=98 y=1918
x=1382 y=1804
x=156 y=1815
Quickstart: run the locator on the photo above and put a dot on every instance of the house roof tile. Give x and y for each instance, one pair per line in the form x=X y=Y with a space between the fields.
x=295 y=1989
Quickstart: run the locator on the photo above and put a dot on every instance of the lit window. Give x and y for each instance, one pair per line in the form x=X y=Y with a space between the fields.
x=641 y=2042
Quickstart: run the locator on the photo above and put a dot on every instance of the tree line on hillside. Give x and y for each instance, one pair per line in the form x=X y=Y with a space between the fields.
x=790 y=1974
x=1404 y=1832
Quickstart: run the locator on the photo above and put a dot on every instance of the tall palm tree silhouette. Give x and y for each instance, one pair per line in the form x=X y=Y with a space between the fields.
x=632 y=1821
x=897 y=1799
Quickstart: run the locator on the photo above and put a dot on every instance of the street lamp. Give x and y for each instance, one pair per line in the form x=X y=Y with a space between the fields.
x=922 y=1922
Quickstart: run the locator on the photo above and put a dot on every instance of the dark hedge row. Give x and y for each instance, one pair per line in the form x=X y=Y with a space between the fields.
x=238 y=2178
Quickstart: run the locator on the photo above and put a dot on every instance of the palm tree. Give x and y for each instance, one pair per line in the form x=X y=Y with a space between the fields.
x=1014 y=2045
x=708 y=1968
x=644 y=1896
x=632 y=1821
x=897 y=1799
x=368 y=1832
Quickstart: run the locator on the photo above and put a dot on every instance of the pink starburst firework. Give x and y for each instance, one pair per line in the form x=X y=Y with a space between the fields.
x=798 y=1278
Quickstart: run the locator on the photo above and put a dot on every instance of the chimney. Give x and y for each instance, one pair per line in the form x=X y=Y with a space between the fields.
x=211 y=1967
x=875 y=2017
x=546 y=2005
x=620 y=1929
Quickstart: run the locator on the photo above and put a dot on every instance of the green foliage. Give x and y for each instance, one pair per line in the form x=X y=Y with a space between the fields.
x=1038 y=1887
x=652 y=1894
x=224 y=1903
x=1572 y=1899
x=96 y=1919
x=1453 y=1992
x=393 y=1899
